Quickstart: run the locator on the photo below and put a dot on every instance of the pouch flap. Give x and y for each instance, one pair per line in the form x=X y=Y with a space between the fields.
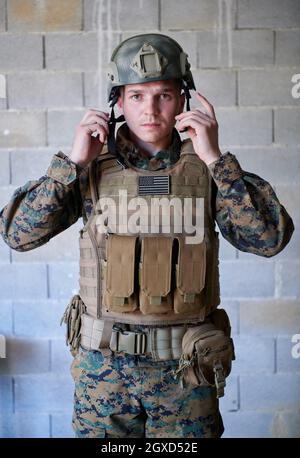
x=156 y=264
x=120 y=265
x=191 y=268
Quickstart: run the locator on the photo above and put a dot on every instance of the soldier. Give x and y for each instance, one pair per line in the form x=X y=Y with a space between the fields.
x=151 y=347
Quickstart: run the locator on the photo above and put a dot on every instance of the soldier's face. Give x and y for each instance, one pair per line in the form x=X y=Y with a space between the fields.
x=150 y=109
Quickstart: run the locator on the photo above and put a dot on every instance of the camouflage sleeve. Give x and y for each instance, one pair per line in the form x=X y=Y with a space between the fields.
x=41 y=209
x=248 y=211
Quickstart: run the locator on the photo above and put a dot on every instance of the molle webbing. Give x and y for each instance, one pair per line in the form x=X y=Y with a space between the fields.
x=153 y=278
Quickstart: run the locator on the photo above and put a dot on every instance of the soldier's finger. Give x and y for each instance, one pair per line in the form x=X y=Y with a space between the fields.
x=196 y=112
x=99 y=130
x=197 y=118
x=195 y=124
x=208 y=106
x=96 y=120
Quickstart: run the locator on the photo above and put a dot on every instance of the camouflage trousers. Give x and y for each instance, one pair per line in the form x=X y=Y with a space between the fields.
x=120 y=395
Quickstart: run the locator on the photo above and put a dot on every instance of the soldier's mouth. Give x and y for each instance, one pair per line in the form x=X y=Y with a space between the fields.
x=151 y=125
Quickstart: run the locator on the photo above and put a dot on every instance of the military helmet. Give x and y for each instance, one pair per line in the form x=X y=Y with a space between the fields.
x=145 y=58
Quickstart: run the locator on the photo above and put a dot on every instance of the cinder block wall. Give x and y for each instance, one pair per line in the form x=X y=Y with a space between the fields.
x=243 y=54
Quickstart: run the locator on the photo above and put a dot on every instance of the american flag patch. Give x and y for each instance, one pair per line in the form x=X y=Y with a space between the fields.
x=154 y=184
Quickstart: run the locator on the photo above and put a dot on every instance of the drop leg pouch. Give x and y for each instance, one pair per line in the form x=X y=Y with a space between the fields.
x=207 y=354
x=72 y=319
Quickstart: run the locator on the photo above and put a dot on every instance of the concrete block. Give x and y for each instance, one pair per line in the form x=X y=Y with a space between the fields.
x=22 y=129
x=50 y=16
x=237 y=48
x=25 y=356
x=5 y=195
x=62 y=125
x=227 y=251
x=21 y=281
x=30 y=164
x=217 y=86
x=24 y=425
x=61 y=426
x=268 y=14
x=39 y=319
x=63 y=279
x=247 y=424
x=61 y=357
x=235 y=275
x=270 y=317
x=276 y=165
x=292 y=250
x=4 y=168
x=75 y=51
x=6 y=318
x=2 y=15
x=288 y=196
x=62 y=247
x=214 y=48
x=4 y=251
x=288 y=279
x=95 y=96
x=21 y=52
x=287 y=424
x=3 y=103
x=251 y=126
x=6 y=394
x=230 y=402
x=253 y=355
x=287 y=122
x=252 y=48
x=193 y=15
x=270 y=392
x=265 y=82
x=126 y=15
x=288 y=354
x=287 y=47
x=44 y=90
x=44 y=393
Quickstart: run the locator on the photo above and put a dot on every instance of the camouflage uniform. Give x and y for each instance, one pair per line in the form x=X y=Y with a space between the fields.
x=118 y=395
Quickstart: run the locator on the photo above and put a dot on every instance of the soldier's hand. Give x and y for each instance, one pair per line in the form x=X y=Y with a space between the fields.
x=202 y=129
x=90 y=136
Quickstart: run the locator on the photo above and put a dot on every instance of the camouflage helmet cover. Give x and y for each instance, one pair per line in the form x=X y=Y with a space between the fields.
x=146 y=58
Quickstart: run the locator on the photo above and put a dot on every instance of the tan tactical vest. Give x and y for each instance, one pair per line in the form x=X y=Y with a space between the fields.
x=154 y=277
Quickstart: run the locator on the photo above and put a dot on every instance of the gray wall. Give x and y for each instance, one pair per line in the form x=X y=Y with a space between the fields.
x=243 y=54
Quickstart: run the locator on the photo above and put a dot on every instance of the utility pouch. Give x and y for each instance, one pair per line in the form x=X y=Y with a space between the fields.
x=207 y=353
x=119 y=294
x=190 y=276
x=72 y=318
x=155 y=275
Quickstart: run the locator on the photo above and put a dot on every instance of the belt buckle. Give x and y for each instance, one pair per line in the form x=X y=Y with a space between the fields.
x=132 y=342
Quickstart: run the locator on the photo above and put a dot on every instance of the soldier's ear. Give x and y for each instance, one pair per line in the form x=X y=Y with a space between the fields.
x=182 y=102
x=121 y=98
x=120 y=103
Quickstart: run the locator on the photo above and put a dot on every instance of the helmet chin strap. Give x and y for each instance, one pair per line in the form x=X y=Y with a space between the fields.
x=111 y=141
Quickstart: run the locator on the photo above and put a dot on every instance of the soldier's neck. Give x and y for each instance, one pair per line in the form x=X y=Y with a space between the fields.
x=149 y=148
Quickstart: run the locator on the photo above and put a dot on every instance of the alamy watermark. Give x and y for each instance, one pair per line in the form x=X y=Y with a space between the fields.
x=296 y=88
x=138 y=215
x=2 y=87
x=2 y=347
x=295 y=348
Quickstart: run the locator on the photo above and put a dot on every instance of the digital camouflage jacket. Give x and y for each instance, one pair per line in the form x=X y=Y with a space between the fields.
x=246 y=208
